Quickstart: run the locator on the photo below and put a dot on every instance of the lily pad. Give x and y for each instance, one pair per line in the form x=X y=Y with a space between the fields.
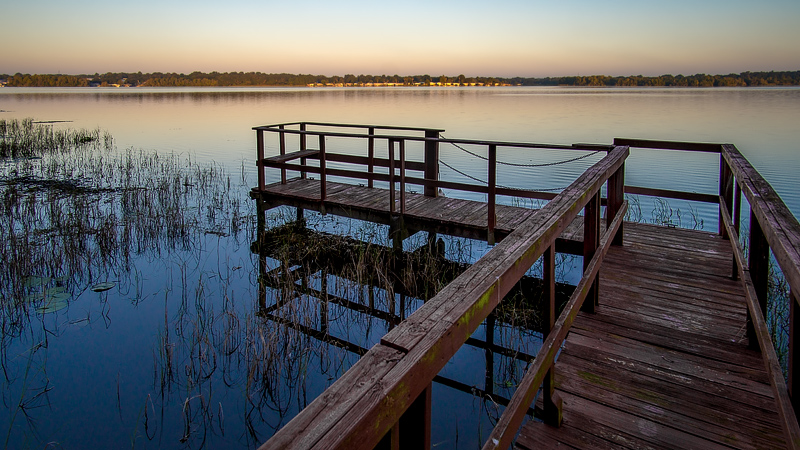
x=32 y=298
x=55 y=290
x=35 y=281
x=100 y=287
x=57 y=297
x=50 y=307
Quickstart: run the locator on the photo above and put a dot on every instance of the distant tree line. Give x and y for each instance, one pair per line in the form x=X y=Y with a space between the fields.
x=787 y=78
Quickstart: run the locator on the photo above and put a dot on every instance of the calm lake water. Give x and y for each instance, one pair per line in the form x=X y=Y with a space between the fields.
x=166 y=358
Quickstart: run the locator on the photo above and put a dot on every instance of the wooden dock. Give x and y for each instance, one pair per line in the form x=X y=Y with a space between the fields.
x=664 y=361
x=662 y=344
x=450 y=216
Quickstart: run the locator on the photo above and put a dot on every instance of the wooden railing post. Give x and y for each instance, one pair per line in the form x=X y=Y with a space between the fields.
x=616 y=195
x=737 y=219
x=491 y=220
x=260 y=160
x=371 y=156
x=591 y=239
x=415 y=423
x=402 y=176
x=793 y=363
x=391 y=176
x=282 y=137
x=758 y=266
x=551 y=412
x=303 y=148
x=322 y=175
x=431 y=162
x=725 y=191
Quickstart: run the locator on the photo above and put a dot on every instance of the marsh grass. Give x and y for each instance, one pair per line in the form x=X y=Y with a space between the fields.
x=241 y=339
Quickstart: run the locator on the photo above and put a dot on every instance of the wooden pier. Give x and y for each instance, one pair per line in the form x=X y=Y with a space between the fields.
x=663 y=343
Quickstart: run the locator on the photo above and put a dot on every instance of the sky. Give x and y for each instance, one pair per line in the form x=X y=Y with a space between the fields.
x=502 y=38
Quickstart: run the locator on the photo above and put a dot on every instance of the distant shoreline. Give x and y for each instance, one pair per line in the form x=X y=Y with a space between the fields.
x=259 y=79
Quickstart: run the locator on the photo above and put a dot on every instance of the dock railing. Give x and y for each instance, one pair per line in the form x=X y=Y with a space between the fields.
x=392 y=142
x=772 y=227
x=384 y=400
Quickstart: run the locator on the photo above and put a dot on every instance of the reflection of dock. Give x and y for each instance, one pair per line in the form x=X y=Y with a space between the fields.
x=663 y=343
x=290 y=280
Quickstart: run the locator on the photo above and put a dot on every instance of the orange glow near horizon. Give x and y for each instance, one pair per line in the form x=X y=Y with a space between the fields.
x=517 y=39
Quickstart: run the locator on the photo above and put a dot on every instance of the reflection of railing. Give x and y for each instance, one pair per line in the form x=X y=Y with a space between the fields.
x=396 y=162
x=385 y=397
x=772 y=227
x=322 y=333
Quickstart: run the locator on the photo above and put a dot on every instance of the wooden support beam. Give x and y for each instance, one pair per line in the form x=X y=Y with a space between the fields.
x=282 y=145
x=616 y=195
x=322 y=173
x=402 y=176
x=302 y=149
x=491 y=221
x=371 y=155
x=591 y=239
x=725 y=191
x=431 y=161
x=551 y=412
x=390 y=144
x=758 y=266
x=260 y=161
x=415 y=424
x=793 y=381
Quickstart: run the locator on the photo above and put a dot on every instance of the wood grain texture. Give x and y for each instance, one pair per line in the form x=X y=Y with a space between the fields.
x=664 y=362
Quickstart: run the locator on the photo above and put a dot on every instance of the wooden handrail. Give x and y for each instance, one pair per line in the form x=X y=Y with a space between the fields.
x=781 y=228
x=786 y=411
x=369 y=399
x=577 y=146
x=511 y=420
x=669 y=145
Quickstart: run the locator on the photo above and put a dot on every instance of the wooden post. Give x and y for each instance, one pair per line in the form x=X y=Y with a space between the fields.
x=323 y=303
x=725 y=192
x=371 y=156
x=260 y=160
x=551 y=402
x=616 y=195
x=591 y=239
x=402 y=176
x=262 y=252
x=431 y=162
x=391 y=175
x=282 y=135
x=415 y=423
x=758 y=265
x=322 y=175
x=793 y=363
x=491 y=220
x=488 y=384
x=302 y=148
x=737 y=219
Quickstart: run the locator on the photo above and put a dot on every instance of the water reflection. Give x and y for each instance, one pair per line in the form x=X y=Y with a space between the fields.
x=195 y=340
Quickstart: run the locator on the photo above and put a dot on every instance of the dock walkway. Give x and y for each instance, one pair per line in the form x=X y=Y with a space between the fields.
x=662 y=344
x=664 y=361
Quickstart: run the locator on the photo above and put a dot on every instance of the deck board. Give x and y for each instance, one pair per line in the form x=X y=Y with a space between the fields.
x=664 y=362
x=458 y=216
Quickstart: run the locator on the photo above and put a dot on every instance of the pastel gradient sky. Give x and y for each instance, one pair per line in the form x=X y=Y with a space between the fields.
x=501 y=38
